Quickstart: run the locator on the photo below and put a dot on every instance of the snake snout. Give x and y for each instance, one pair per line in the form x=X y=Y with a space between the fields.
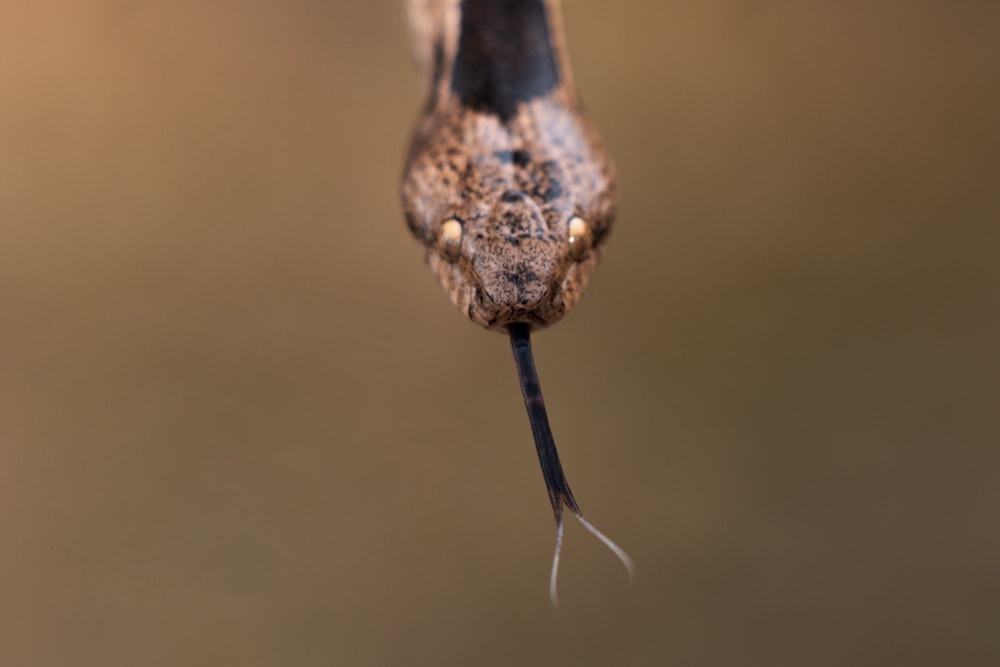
x=517 y=274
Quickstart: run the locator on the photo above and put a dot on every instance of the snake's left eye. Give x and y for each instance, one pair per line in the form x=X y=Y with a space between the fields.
x=450 y=239
x=581 y=238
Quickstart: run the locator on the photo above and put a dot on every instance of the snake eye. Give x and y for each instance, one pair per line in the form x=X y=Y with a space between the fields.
x=581 y=239
x=450 y=239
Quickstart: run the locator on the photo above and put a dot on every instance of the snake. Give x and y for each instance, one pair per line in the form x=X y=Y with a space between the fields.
x=508 y=188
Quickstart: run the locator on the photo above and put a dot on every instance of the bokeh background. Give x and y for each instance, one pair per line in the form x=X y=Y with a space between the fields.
x=241 y=425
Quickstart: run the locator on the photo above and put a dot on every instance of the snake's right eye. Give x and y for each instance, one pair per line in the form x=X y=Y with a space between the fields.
x=450 y=239
x=581 y=238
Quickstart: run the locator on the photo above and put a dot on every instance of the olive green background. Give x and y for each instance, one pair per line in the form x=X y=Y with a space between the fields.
x=241 y=425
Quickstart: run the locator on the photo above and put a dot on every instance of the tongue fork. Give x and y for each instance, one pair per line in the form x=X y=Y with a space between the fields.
x=555 y=480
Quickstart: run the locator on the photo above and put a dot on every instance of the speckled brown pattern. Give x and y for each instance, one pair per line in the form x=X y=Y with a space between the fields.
x=513 y=184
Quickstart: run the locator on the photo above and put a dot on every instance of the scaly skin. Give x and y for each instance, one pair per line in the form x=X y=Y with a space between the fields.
x=513 y=169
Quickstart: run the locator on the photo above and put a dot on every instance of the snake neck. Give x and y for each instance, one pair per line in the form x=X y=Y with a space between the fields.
x=491 y=55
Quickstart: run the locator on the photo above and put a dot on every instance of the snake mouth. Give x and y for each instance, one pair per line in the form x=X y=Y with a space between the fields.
x=503 y=321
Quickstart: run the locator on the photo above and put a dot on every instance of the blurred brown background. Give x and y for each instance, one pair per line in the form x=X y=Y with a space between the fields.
x=241 y=425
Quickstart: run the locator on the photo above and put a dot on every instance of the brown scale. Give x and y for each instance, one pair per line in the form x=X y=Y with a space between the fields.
x=506 y=184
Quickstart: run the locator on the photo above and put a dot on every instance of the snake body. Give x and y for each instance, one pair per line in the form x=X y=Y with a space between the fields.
x=506 y=184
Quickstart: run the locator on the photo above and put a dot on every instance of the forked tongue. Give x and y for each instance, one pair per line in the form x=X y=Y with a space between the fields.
x=559 y=492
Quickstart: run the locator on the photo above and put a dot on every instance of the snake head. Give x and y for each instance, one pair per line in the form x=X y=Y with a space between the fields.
x=512 y=215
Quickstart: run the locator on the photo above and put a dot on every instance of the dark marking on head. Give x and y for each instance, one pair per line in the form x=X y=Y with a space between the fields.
x=546 y=183
x=505 y=55
x=518 y=158
x=511 y=197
